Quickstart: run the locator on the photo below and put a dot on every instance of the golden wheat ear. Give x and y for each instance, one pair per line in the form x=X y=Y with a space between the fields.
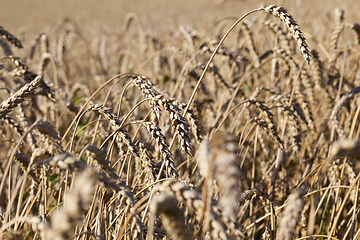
x=293 y=27
x=20 y=96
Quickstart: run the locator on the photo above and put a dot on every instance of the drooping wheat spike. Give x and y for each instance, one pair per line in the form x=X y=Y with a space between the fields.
x=10 y=38
x=335 y=37
x=268 y=122
x=20 y=96
x=156 y=133
x=148 y=161
x=263 y=144
x=21 y=69
x=111 y=179
x=263 y=108
x=65 y=34
x=291 y=215
x=144 y=84
x=115 y=123
x=339 y=128
x=356 y=28
x=192 y=118
x=102 y=51
x=267 y=234
x=204 y=160
x=178 y=121
x=171 y=216
x=99 y=157
x=293 y=27
x=43 y=41
x=189 y=34
x=48 y=130
x=270 y=129
x=295 y=106
x=304 y=220
x=34 y=42
x=218 y=160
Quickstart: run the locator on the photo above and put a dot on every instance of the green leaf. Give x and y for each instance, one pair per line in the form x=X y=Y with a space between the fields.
x=166 y=78
x=52 y=178
x=28 y=234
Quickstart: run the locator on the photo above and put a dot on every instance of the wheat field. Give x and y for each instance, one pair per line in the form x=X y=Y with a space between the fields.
x=243 y=128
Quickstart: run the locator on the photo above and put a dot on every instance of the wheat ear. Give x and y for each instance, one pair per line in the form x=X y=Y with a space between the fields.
x=20 y=96
x=293 y=27
x=156 y=133
x=291 y=215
